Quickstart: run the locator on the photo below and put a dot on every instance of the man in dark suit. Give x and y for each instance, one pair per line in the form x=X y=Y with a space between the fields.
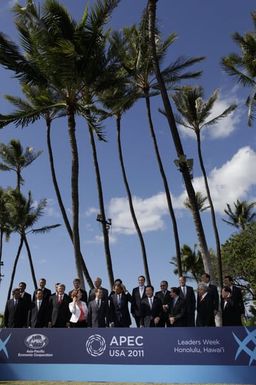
x=97 y=285
x=98 y=310
x=212 y=290
x=59 y=308
x=77 y=287
x=165 y=298
x=46 y=292
x=27 y=299
x=15 y=314
x=187 y=293
x=205 y=307
x=176 y=308
x=236 y=294
x=138 y=293
x=119 y=315
x=151 y=309
x=231 y=315
x=39 y=314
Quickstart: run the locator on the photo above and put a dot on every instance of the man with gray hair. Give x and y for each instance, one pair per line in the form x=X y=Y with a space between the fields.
x=205 y=307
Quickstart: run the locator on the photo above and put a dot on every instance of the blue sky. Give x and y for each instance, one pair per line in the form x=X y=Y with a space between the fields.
x=204 y=28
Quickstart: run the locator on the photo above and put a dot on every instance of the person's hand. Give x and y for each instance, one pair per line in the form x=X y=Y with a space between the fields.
x=172 y=320
x=156 y=320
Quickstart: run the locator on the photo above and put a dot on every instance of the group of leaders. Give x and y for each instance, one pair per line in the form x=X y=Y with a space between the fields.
x=179 y=306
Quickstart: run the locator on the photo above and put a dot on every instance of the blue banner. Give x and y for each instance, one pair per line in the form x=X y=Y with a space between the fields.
x=201 y=350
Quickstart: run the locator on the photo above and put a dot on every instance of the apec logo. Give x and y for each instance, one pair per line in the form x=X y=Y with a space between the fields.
x=36 y=341
x=247 y=345
x=95 y=345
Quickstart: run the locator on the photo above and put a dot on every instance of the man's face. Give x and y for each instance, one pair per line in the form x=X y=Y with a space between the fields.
x=182 y=281
x=118 y=289
x=76 y=284
x=22 y=287
x=97 y=282
x=149 y=292
x=60 y=289
x=42 y=283
x=141 y=281
x=172 y=294
x=227 y=282
x=204 y=278
x=39 y=295
x=16 y=294
x=163 y=286
x=99 y=294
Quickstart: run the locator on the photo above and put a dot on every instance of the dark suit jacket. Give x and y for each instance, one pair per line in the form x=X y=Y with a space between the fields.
x=136 y=302
x=190 y=305
x=231 y=313
x=98 y=317
x=205 y=312
x=237 y=297
x=46 y=294
x=15 y=316
x=39 y=318
x=165 y=300
x=83 y=292
x=119 y=314
x=178 y=311
x=92 y=294
x=59 y=312
x=148 y=315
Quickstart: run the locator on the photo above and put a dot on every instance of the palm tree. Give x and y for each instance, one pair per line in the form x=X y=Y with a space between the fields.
x=42 y=102
x=241 y=215
x=201 y=202
x=191 y=262
x=15 y=158
x=133 y=52
x=67 y=57
x=243 y=67
x=182 y=160
x=118 y=99
x=195 y=115
x=23 y=216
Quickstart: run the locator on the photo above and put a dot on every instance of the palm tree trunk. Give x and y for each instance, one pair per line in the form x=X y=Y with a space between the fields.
x=75 y=192
x=177 y=142
x=60 y=202
x=166 y=187
x=102 y=209
x=14 y=267
x=1 y=251
x=214 y=223
x=134 y=218
x=30 y=261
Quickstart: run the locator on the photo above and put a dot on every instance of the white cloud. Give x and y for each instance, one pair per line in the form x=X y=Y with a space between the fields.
x=231 y=181
x=91 y=211
x=100 y=239
x=149 y=213
x=226 y=126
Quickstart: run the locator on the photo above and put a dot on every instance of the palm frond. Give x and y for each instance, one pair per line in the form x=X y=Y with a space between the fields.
x=45 y=229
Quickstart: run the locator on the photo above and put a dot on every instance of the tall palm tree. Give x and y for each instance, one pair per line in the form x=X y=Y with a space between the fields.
x=182 y=159
x=243 y=66
x=15 y=158
x=195 y=115
x=241 y=214
x=131 y=46
x=41 y=102
x=118 y=99
x=65 y=56
x=23 y=216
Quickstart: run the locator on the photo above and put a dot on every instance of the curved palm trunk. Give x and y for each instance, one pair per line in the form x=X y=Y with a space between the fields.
x=214 y=223
x=60 y=202
x=166 y=187
x=1 y=251
x=14 y=267
x=134 y=218
x=102 y=209
x=30 y=261
x=177 y=142
x=75 y=193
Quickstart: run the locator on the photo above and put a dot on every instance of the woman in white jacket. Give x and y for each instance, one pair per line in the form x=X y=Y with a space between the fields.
x=78 y=310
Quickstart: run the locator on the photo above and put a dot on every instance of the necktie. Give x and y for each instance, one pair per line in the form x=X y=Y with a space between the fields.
x=118 y=299
x=38 y=304
x=150 y=302
x=184 y=290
